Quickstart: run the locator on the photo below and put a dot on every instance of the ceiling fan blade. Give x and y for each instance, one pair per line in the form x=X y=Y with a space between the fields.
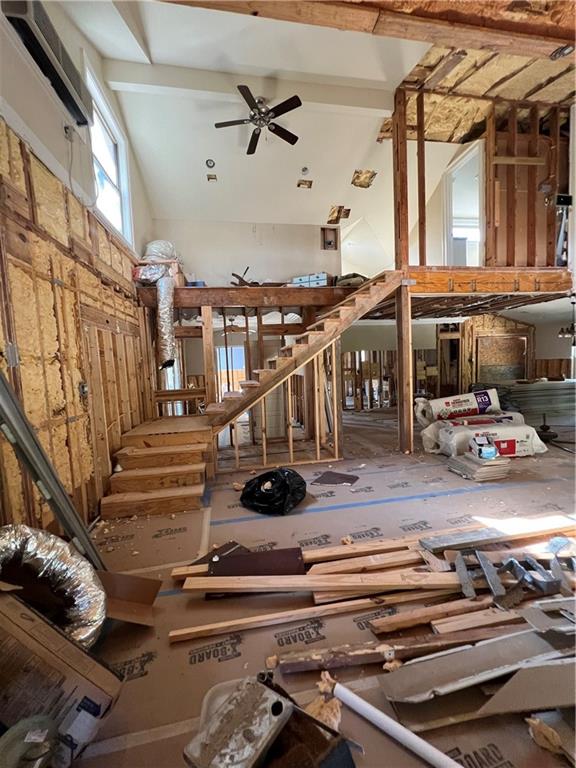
x=286 y=106
x=253 y=141
x=230 y=122
x=247 y=96
x=282 y=133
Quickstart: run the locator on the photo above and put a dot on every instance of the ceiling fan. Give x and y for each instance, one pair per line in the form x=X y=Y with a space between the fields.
x=263 y=116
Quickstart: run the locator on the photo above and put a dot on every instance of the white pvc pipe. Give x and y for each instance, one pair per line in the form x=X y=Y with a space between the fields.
x=392 y=728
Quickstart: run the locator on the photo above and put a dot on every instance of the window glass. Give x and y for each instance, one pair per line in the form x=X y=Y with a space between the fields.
x=108 y=200
x=104 y=147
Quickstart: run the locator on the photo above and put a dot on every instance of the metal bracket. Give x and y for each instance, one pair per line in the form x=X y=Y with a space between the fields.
x=11 y=354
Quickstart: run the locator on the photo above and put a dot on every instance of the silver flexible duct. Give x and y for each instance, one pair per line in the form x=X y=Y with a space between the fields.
x=165 y=322
x=70 y=575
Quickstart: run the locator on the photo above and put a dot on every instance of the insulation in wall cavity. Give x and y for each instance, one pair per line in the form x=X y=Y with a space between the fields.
x=50 y=202
x=78 y=219
x=481 y=81
x=49 y=334
x=116 y=258
x=11 y=162
x=103 y=245
x=12 y=483
x=40 y=255
x=529 y=77
x=89 y=285
x=26 y=324
x=560 y=90
x=61 y=456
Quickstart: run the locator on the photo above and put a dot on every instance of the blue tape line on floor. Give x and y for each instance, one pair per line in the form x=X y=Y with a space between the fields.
x=394 y=500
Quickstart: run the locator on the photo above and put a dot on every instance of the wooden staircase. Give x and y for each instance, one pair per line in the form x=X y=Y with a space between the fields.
x=163 y=465
x=317 y=337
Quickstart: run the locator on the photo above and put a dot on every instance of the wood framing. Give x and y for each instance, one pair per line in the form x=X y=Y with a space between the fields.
x=208 y=353
x=400 y=180
x=420 y=130
x=437 y=23
x=254 y=296
x=77 y=343
x=404 y=369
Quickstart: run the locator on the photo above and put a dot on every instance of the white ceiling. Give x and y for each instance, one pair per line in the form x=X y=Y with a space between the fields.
x=558 y=311
x=175 y=71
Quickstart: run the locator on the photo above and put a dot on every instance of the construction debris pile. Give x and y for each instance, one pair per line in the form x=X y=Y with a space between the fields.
x=455 y=600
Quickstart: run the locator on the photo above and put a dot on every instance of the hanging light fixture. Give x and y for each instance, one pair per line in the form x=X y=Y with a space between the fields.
x=570 y=331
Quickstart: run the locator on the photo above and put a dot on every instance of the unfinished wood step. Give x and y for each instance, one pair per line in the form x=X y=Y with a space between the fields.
x=232 y=395
x=172 y=430
x=249 y=384
x=261 y=374
x=164 y=501
x=278 y=362
x=216 y=408
x=152 y=478
x=163 y=456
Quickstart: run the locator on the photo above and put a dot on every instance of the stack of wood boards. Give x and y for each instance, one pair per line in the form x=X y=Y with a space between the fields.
x=473 y=468
x=400 y=570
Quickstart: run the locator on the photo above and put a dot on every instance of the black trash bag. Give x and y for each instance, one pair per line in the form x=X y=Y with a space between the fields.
x=275 y=492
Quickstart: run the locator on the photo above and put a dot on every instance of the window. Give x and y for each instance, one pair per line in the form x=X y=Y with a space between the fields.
x=110 y=164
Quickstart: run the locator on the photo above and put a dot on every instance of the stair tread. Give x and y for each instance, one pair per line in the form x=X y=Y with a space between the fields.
x=232 y=395
x=131 y=450
x=249 y=383
x=172 y=469
x=160 y=493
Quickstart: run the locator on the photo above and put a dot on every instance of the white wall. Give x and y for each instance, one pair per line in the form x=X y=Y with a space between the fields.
x=213 y=250
x=547 y=344
x=382 y=335
x=30 y=106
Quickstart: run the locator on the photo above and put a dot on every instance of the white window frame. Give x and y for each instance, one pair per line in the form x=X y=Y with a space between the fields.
x=118 y=135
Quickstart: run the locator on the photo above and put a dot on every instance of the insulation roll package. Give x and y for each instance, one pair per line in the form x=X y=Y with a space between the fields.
x=456 y=406
x=430 y=434
x=511 y=440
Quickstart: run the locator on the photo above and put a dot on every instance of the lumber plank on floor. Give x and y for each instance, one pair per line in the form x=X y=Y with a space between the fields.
x=311 y=612
x=420 y=616
x=485 y=618
x=376 y=651
x=162 y=456
x=161 y=502
x=369 y=563
x=323 y=554
x=331 y=582
x=152 y=478
x=505 y=530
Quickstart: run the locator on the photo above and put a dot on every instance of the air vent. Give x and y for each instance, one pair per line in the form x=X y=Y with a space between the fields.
x=36 y=31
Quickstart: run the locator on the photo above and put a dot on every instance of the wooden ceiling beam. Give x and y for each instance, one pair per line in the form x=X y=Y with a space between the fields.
x=362 y=17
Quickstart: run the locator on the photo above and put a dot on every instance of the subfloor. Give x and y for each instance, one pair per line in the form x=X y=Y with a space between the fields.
x=157 y=712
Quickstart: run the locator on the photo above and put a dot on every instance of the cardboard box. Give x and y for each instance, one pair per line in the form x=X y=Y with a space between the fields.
x=43 y=672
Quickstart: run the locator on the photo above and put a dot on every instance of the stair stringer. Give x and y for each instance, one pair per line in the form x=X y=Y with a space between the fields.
x=355 y=306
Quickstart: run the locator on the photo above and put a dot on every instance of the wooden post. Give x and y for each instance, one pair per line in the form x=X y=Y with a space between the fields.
x=400 y=160
x=308 y=316
x=420 y=115
x=511 y=181
x=236 y=444
x=553 y=178
x=404 y=368
x=289 y=419
x=263 y=431
x=532 y=189
x=316 y=407
x=208 y=354
x=490 y=190
x=336 y=397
